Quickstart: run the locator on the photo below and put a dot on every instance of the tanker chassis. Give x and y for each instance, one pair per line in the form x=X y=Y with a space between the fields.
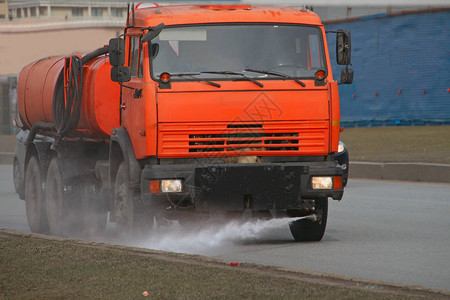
x=195 y=112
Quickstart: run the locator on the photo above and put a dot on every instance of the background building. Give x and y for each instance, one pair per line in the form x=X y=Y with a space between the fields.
x=3 y=9
x=66 y=9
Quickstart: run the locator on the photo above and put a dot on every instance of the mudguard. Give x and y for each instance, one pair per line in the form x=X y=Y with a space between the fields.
x=120 y=150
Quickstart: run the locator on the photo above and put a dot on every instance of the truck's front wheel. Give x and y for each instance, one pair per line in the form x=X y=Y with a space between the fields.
x=131 y=217
x=308 y=230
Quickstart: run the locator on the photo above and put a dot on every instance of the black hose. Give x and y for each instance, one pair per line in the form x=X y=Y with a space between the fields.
x=34 y=129
x=66 y=107
x=67 y=102
x=100 y=51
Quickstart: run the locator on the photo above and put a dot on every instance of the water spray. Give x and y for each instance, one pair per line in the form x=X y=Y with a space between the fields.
x=204 y=240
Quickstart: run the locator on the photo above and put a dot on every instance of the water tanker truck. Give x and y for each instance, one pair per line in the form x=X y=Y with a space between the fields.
x=195 y=112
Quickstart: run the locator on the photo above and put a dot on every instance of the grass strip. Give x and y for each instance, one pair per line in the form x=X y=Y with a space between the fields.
x=428 y=144
x=41 y=268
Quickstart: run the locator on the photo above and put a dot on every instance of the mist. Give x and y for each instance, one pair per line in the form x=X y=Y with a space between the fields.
x=205 y=239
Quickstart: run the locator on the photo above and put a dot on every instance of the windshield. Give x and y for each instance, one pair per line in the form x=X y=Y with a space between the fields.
x=218 y=51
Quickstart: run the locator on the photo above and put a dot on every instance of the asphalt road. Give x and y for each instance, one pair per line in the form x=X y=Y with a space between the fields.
x=382 y=230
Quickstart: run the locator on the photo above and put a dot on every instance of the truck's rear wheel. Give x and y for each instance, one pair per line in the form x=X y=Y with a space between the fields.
x=62 y=207
x=16 y=177
x=131 y=217
x=35 y=198
x=307 y=230
x=93 y=209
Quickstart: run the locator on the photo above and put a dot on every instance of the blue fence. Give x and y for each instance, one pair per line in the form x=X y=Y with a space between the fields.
x=401 y=66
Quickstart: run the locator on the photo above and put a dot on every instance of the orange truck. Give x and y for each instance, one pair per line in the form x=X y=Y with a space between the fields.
x=195 y=112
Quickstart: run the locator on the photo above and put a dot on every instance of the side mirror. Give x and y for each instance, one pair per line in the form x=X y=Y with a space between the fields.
x=343 y=47
x=152 y=33
x=116 y=52
x=120 y=74
x=346 y=76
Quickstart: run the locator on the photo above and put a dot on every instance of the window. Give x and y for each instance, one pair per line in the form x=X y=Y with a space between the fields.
x=133 y=60
x=141 y=62
x=315 y=60
x=77 y=12
x=294 y=50
x=116 y=12
x=96 y=12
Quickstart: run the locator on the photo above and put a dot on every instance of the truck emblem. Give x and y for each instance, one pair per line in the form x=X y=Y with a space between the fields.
x=263 y=108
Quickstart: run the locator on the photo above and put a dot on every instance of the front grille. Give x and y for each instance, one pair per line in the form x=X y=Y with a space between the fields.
x=244 y=142
x=222 y=139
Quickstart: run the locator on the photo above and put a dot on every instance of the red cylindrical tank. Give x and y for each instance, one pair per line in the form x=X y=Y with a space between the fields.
x=35 y=89
x=100 y=104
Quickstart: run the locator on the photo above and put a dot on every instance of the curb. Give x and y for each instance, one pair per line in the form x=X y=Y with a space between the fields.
x=401 y=171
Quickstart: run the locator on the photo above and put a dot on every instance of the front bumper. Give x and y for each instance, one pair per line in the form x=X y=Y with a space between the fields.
x=237 y=187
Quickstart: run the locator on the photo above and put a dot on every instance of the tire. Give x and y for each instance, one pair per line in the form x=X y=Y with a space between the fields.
x=307 y=230
x=131 y=217
x=93 y=208
x=63 y=209
x=35 y=197
x=17 y=177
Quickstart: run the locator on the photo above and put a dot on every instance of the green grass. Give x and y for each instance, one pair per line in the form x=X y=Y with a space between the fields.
x=429 y=144
x=35 y=268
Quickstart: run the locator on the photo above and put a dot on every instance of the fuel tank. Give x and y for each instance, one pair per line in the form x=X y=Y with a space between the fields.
x=100 y=102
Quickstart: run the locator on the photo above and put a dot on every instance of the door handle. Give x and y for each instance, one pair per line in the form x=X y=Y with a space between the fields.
x=137 y=93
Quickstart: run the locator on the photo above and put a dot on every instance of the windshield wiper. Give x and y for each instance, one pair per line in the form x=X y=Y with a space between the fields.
x=235 y=73
x=192 y=75
x=277 y=74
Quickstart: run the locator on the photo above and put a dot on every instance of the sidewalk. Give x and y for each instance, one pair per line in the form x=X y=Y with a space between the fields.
x=391 y=171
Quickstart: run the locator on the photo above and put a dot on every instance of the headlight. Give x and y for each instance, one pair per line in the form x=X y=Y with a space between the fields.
x=171 y=186
x=341 y=147
x=322 y=183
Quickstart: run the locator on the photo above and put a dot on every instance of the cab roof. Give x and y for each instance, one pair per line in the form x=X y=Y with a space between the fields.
x=198 y=14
